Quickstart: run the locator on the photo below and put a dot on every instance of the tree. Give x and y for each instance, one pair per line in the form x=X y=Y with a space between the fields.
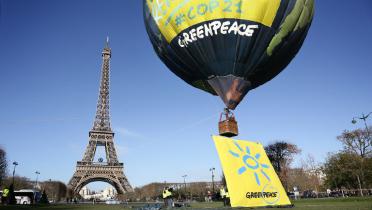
x=342 y=170
x=44 y=198
x=357 y=142
x=313 y=171
x=3 y=165
x=19 y=182
x=199 y=189
x=55 y=190
x=281 y=155
x=297 y=177
x=150 y=191
x=368 y=173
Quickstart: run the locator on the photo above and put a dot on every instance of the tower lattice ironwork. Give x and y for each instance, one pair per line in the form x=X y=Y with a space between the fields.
x=110 y=171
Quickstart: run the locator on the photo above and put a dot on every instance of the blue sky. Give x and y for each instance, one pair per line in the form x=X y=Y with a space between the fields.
x=50 y=67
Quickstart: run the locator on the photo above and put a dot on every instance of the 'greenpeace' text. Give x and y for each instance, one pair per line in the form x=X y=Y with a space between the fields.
x=215 y=28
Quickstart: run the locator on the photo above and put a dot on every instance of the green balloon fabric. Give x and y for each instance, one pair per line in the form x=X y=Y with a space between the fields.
x=227 y=47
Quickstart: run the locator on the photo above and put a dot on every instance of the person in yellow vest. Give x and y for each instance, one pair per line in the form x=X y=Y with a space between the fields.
x=5 y=196
x=165 y=196
x=168 y=197
x=223 y=196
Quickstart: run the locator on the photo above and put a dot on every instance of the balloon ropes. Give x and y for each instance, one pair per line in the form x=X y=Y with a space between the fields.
x=227 y=47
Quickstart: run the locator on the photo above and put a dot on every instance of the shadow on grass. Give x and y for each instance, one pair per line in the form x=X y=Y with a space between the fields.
x=71 y=207
x=60 y=207
x=20 y=207
x=302 y=204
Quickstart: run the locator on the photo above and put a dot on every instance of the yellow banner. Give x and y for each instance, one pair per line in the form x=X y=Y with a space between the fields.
x=173 y=16
x=250 y=177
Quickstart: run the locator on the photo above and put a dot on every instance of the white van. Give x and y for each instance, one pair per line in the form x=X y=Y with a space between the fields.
x=24 y=200
x=27 y=196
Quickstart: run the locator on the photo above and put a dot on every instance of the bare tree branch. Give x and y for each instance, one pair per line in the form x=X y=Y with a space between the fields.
x=357 y=142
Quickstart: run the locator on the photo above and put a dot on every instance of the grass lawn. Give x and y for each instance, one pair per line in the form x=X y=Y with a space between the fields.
x=313 y=204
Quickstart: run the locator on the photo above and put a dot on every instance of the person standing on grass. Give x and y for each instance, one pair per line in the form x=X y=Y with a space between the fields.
x=223 y=195
x=168 y=197
x=165 y=196
x=227 y=197
x=4 y=196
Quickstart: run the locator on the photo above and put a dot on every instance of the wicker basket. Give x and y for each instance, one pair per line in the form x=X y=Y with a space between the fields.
x=228 y=127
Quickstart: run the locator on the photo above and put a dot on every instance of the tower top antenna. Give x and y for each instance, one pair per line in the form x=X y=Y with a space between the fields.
x=102 y=119
x=107 y=42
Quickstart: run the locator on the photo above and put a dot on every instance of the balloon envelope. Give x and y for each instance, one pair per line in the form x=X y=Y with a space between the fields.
x=227 y=47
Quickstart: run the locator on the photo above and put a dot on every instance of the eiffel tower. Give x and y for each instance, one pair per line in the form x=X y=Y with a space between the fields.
x=111 y=171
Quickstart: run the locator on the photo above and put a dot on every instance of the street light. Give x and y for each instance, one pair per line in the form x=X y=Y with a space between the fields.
x=15 y=163
x=37 y=176
x=184 y=181
x=364 y=118
x=212 y=170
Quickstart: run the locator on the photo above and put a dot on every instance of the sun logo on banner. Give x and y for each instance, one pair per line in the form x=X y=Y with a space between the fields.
x=250 y=162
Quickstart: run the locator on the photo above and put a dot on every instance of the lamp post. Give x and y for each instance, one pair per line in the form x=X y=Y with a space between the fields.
x=184 y=182
x=354 y=121
x=212 y=170
x=15 y=163
x=37 y=176
x=364 y=118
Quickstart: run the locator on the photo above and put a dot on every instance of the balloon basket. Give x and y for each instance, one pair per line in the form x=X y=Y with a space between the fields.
x=227 y=125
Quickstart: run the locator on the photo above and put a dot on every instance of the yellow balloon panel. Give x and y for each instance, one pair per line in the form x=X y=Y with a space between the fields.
x=250 y=177
x=174 y=16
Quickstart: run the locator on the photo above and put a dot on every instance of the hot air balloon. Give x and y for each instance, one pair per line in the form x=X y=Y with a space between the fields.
x=227 y=47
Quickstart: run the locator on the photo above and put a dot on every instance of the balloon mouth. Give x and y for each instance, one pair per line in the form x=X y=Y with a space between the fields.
x=230 y=88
